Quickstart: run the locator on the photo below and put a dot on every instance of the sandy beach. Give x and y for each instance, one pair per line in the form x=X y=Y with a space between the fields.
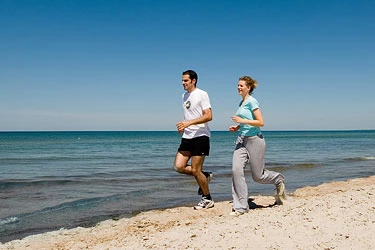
x=337 y=215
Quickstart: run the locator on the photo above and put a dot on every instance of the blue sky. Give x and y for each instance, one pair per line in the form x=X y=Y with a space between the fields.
x=116 y=65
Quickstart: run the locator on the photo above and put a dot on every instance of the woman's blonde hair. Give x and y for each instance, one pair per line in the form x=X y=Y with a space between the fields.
x=250 y=82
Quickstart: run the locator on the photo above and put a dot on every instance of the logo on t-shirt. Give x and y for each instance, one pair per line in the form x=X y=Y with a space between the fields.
x=187 y=104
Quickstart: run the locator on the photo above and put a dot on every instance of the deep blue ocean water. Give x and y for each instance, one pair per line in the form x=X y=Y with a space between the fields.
x=53 y=180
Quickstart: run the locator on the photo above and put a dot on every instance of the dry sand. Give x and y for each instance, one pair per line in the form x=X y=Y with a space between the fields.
x=338 y=215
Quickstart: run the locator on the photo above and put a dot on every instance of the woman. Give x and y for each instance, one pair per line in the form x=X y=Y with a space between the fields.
x=250 y=148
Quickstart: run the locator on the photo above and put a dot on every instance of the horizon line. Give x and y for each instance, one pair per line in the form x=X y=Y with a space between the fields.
x=281 y=130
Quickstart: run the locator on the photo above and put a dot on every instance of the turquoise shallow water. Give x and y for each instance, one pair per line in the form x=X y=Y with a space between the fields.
x=52 y=180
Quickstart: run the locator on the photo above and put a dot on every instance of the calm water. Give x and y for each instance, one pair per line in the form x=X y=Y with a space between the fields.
x=53 y=180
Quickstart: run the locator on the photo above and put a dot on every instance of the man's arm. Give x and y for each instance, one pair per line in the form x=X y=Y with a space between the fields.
x=206 y=117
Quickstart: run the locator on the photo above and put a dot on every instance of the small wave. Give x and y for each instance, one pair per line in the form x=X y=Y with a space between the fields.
x=56 y=209
x=286 y=166
x=363 y=158
x=9 y=220
x=21 y=183
x=56 y=158
x=75 y=204
x=305 y=165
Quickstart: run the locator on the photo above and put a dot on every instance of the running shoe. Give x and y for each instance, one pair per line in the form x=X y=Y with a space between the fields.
x=280 y=193
x=204 y=204
x=236 y=213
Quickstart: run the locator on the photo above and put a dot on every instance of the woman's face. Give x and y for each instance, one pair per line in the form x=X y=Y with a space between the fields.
x=243 y=89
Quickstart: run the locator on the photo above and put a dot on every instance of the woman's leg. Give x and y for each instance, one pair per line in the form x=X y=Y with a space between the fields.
x=256 y=147
x=239 y=186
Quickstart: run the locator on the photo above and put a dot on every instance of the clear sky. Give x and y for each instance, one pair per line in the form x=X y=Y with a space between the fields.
x=116 y=65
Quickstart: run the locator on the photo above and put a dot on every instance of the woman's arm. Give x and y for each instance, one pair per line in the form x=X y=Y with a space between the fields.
x=257 y=122
x=234 y=128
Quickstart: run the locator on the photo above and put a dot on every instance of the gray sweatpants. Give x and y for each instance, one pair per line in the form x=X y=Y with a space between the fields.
x=250 y=149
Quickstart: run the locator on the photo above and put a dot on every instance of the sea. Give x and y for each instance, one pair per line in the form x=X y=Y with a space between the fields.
x=55 y=180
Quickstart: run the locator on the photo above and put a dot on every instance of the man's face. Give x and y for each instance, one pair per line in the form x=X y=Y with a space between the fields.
x=188 y=83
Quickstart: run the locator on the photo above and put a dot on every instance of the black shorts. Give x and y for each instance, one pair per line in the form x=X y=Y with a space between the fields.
x=196 y=146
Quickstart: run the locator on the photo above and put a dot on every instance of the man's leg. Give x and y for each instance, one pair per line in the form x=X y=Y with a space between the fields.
x=180 y=163
x=196 y=170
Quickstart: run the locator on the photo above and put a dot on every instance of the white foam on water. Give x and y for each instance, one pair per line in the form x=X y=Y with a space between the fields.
x=8 y=220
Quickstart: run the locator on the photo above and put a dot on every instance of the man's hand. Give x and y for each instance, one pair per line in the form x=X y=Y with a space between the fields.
x=181 y=126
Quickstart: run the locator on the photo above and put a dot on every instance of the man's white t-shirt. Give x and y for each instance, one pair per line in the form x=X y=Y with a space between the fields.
x=193 y=104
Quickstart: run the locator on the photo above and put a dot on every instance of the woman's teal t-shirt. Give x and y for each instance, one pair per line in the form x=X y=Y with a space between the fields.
x=245 y=111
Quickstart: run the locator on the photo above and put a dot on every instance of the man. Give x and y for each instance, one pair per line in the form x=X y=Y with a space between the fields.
x=195 y=141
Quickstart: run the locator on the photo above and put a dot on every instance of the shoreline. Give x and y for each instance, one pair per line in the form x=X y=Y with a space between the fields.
x=336 y=215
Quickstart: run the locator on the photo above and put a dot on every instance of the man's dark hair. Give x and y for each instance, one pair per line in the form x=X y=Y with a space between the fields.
x=193 y=75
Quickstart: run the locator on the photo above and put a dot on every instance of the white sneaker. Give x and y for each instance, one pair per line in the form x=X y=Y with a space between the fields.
x=236 y=213
x=204 y=204
x=280 y=193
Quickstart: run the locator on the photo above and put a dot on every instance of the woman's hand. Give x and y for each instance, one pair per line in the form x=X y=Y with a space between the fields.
x=257 y=121
x=237 y=119
x=234 y=128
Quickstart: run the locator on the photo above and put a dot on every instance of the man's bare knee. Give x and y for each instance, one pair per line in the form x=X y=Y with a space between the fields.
x=178 y=169
x=196 y=172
